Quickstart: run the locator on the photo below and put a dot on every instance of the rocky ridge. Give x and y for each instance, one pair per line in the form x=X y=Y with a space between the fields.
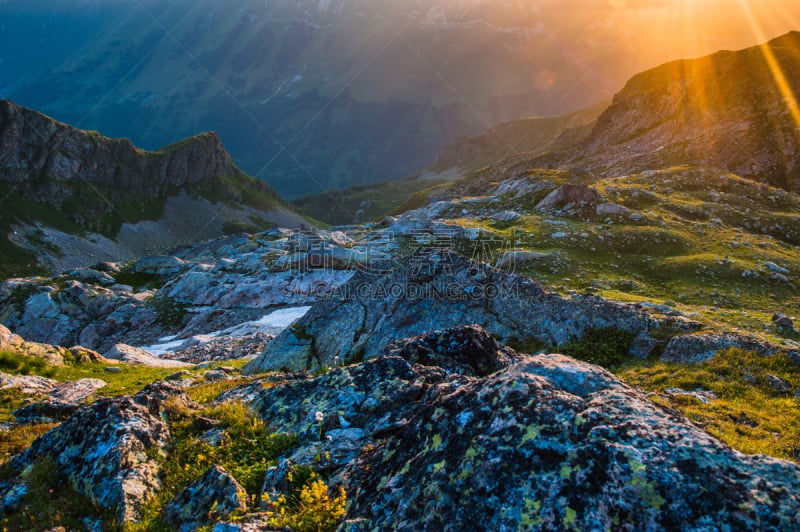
x=63 y=182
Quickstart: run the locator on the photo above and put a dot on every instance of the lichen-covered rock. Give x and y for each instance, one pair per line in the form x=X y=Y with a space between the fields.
x=569 y=194
x=107 y=451
x=468 y=350
x=431 y=290
x=549 y=443
x=701 y=347
x=73 y=391
x=213 y=496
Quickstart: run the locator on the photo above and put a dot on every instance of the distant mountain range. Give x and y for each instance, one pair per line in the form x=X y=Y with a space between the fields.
x=317 y=94
x=732 y=111
x=72 y=197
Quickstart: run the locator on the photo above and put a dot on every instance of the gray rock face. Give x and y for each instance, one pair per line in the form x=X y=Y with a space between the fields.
x=162 y=265
x=73 y=392
x=569 y=195
x=106 y=451
x=136 y=355
x=34 y=145
x=431 y=290
x=213 y=496
x=702 y=347
x=548 y=443
x=466 y=350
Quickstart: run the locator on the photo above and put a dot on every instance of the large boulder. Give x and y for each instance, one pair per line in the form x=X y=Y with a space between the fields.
x=213 y=496
x=467 y=350
x=569 y=195
x=702 y=347
x=549 y=443
x=431 y=290
x=160 y=265
x=108 y=451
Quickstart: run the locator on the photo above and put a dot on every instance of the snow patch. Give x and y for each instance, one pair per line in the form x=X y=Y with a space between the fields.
x=273 y=323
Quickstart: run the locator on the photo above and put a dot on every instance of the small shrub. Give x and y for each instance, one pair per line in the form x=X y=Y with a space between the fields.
x=19 y=364
x=309 y=507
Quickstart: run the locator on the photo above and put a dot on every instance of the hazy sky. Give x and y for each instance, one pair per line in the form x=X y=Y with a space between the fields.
x=688 y=28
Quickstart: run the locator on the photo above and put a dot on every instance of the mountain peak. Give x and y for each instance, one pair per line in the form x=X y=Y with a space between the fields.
x=735 y=111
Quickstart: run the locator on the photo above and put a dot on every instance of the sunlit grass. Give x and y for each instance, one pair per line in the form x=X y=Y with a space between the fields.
x=749 y=414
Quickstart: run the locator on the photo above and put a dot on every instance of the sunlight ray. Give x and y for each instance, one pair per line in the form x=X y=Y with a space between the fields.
x=772 y=62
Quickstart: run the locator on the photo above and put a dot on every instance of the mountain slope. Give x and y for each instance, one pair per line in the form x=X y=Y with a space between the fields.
x=736 y=111
x=111 y=197
x=533 y=135
x=530 y=136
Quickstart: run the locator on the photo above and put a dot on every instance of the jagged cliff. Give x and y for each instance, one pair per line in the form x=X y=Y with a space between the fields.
x=60 y=181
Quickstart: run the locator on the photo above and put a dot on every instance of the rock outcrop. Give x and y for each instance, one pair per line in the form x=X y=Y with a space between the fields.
x=436 y=289
x=213 y=496
x=35 y=145
x=137 y=355
x=99 y=192
x=52 y=354
x=108 y=451
x=546 y=443
x=468 y=350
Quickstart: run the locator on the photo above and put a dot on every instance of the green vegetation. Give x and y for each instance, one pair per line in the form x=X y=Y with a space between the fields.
x=245 y=451
x=19 y=364
x=18 y=438
x=604 y=347
x=748 y=414
x=309 y=506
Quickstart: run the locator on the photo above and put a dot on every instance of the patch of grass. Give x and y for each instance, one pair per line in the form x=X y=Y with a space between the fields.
x=246 y=451
x=604 y=347
x=20 y=437
x=52 y=502
x=209 y=391
x=18 y=364
x=749 y=414
x=128 y=380
x=255 y=225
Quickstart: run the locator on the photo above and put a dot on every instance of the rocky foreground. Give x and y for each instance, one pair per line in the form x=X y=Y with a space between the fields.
x=450 y=430
x=435 y=400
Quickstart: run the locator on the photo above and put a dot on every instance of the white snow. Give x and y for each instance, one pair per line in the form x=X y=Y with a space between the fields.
x=273 y=323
